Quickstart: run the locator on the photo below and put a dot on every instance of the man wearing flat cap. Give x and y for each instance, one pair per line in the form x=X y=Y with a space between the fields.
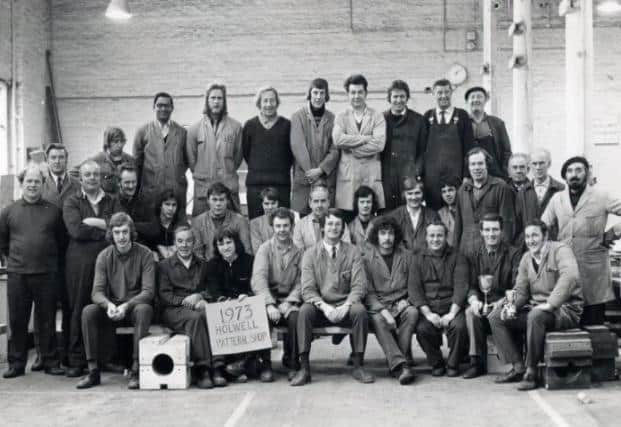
x=489 y=131
x=581 y=213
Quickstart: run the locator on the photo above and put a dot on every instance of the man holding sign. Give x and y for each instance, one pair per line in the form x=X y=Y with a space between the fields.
x=333 y=285
x=183 y=295
x=276 y=276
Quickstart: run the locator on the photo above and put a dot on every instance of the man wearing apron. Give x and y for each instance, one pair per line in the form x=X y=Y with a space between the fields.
x=450 y=138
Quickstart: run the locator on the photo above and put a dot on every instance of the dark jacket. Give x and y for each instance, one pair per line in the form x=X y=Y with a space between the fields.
x=528 y=208
x=440 y=287
x=502 y=144
x=229 y=280
x=503 y=268
x=414 y=240
x=497 y=198
x=406 y=141
x=177 y=282
x=50 y=193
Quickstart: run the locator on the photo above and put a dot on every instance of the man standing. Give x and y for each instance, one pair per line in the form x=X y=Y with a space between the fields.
x=489 y=131
x=518 y=171
x=160 y=154
x=478 y=196
x=218 y=217
x=132 y=203
x=112 y=158
x=315 y=157
x=393 y=317
x=58 y=183
x=307 y=232
x=360 y=134
x=123 y=290
x=267 y=150
x=450 y=138
x=31 y=236
x=532 y=201
x=333 y=286
x=548 y=297
x=260 y=227
x=276 y=276
x=413 y=218
x=438 y=290
x=581 y=214
x=214 y=148
x=184 y=295
x=494 y=264
x=86 y=214
x=406 y=141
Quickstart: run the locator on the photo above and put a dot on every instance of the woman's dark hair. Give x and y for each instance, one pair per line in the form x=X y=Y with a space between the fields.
x=227 y=233
x=165 y=195
x=318 y=83
x=381 y=223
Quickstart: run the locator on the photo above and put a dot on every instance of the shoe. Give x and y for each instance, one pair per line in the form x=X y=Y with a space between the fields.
x=113 y=368
x=74 y=372
x=13 y=373
x=291 y=374
x=37 y=365
x=363 y=376
x=509 y=377
x=134 y=381
x=218 y=378
x=266 y=375
x=452 y=372
x=438 y=371
x=301 y=378
x=54 y=370
x=92 y=379
x=204 y=380
x=406 y=376
x=235 y=369
x=473 y=371
x=529 y=382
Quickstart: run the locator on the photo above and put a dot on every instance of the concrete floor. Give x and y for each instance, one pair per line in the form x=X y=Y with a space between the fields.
x=332 y=399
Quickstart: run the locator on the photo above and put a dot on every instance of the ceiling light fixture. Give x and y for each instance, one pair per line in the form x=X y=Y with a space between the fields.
x=609 y=7
x=118 y=9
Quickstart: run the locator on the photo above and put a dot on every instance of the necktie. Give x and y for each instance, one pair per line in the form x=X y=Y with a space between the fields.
x=59 y=185
x=333 y=252
x=442 y=117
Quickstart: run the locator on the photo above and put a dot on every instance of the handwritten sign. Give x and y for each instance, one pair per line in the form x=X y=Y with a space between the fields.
x=238 y=327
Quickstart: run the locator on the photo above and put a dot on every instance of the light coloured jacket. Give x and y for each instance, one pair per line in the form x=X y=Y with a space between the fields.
x=557 y=283
x=214 y=156
x=583 y=230
x=360 y=160
x=312 y=147
x=204 y=231
x=261 y=230
x=304 y=233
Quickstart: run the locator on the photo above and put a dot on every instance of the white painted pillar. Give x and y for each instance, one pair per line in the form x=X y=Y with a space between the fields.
x=522 y=140
x=489 y=54
x=578 y=76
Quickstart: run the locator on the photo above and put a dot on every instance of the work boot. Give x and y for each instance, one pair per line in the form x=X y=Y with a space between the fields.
x=512 y=376
x=529 y=382
x=406 y=376
x=113 y=368
x=452 y=372
x=475 y=369
x=134 y=380
x=303 y=376
x=219 y=379
x=91 y=379
x=204 y=379
x=54 y=370
x=13 y=373
x=359 y=373
x=74 y=371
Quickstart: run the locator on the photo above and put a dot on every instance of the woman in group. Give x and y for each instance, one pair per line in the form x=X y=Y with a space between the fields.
x=159 y=234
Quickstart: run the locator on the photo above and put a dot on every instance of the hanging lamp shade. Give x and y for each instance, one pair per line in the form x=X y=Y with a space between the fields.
x=609 y=7
x=118 y=9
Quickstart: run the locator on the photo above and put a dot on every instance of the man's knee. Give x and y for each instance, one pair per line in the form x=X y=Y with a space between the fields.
x=307 y=312
x=426 y=329
x=410 y=316
x=537 y=317
x=90 y=313
x=143 y=312
x=358 y=311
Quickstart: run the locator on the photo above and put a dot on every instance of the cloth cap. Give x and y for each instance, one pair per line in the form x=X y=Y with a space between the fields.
x=475 y=89
x=571 y=160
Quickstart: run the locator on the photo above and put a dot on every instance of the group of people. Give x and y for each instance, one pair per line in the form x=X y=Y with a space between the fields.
x=399 y=223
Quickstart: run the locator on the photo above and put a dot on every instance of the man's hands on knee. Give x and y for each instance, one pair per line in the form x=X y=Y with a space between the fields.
x=191 y=300
x=475 y=305
x=392 y=324
x=273 y=313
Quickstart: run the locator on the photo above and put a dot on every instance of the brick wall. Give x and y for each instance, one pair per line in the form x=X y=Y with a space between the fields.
x=106 y=72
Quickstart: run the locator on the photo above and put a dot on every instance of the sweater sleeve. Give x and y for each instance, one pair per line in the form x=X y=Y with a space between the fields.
x=100 y=282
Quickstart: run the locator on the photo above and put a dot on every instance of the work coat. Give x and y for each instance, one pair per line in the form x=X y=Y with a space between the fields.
x=205 y=229
x=307 y=233
x=583 y=229
x=312 y=147
x=386 y=286
x=414 y=239
x=556 y=282
x=360 y=161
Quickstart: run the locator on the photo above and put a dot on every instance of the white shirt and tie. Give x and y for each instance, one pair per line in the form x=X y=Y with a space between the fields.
x=542 y=188
x=443 y=116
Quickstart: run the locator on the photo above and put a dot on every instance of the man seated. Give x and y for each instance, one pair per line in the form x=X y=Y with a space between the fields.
x=183 y=296
x=218 y=217
x=260 y=227
x=438 y=289
x=122 y=294
x=307 y=232
x=388 y=268
x=493 y=267
x=548 y=296
x=333 y=286
x=276 y=276
x=365 y=209
x=413 y=217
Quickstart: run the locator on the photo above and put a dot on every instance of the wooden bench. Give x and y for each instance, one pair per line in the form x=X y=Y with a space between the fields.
x=324 y=331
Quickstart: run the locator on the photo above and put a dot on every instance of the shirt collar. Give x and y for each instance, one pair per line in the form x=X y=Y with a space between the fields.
x=545 y=183
x=328 y=247
x=542 y=253
x=100 y=195
x=163 y=125
x=282 y=248
x=483 y=117
x=448 y=113
x=57 y=178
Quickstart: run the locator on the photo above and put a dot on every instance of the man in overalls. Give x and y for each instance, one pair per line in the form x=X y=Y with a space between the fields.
x=450 y=138
x=489 y=132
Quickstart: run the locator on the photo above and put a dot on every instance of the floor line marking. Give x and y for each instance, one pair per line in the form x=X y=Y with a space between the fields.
x=556 y=418
x=239 y=412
